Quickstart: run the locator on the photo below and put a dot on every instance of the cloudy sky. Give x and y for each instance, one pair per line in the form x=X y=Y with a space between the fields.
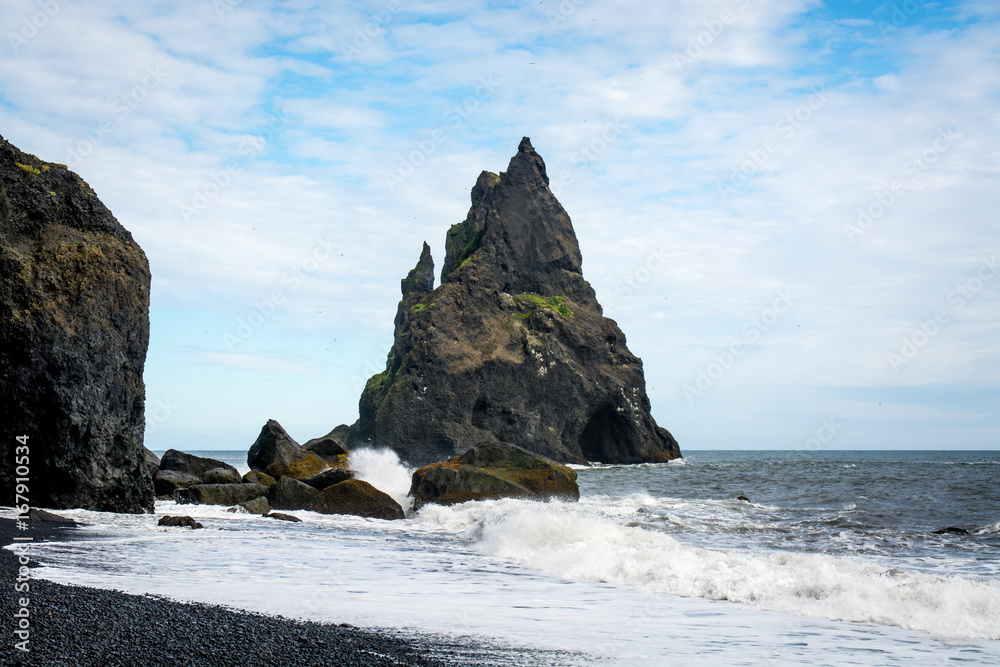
x=789 y=206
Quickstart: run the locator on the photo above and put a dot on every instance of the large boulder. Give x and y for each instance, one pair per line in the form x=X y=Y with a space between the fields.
x=258 y=477
x=493 y=470
x=219 y=494
x=255 y=506
x=35 y=514
x=167 y=481
x=356 y=497
x=279 y=455
x=290 y=494
x=326 y=448
x=329 y=478
x=74 y=328
x=151 y=460
x=226 y=475
x=512 y=346
x=191 y=464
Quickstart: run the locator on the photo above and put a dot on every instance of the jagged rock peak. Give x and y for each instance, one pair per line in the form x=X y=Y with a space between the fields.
x=419 y=282
x=512 y=346
x=517 y=237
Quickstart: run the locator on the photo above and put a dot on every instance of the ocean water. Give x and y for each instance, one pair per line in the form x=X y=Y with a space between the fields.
x=832 y=561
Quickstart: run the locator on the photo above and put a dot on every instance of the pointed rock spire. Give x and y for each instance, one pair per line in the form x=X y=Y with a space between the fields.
x=512 y=346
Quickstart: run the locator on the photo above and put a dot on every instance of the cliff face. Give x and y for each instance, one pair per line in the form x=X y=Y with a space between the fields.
x=512 y=347
x=74 y=327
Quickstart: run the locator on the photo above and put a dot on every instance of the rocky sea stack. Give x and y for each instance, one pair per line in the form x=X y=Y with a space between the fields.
x=512 y=347
x=74 y=327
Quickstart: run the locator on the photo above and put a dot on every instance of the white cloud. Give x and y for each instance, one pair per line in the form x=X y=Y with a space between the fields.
x=561 y=80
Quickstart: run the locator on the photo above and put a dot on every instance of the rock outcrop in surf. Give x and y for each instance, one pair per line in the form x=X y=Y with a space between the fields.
x=74 y=328
x=513 y=346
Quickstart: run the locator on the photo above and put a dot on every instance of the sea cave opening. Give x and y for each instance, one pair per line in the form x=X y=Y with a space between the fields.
x=605 y=437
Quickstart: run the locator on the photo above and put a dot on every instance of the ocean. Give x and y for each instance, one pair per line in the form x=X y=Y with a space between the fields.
x=832 y=560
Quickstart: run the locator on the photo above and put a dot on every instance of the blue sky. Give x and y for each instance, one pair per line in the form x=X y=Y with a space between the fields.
x=790 y=207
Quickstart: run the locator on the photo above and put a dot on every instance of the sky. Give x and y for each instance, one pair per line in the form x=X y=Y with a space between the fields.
x=790 y=207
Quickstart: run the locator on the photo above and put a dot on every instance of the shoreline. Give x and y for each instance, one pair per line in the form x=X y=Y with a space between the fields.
x=78 y=625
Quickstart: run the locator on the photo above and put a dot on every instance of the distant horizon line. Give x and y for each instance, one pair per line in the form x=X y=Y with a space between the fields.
x=731 y=449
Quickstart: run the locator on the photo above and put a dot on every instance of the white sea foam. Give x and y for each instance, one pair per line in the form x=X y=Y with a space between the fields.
x=989 y=530
x=382 y=469
x=590 y=543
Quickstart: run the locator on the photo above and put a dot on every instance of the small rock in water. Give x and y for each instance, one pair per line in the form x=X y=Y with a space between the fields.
x=180 y=521
x=952 y=530
x=283 y=517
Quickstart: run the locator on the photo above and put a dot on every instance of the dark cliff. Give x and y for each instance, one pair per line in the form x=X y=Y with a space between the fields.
x=74 y=327
x=512 y=346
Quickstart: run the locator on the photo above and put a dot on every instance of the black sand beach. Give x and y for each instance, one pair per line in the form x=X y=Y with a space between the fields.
x=79 y=626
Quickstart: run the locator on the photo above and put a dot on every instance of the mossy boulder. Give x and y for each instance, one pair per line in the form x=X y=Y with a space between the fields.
x=258 y=477
x=490 y=471
x=290 y=494
x=219 y=494
x=279 y=455
x=167 y=481
x=222 y=476
x=356 y=497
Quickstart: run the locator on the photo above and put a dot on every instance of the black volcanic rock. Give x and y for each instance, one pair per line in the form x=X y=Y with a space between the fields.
x=74 y=327
x=191 y=464
x=512 y=346
x=165 y=482
x=279 y=455
x=357 y=497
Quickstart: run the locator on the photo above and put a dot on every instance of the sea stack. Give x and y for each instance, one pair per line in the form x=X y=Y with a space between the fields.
x=74 y=327
x=512 y=347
